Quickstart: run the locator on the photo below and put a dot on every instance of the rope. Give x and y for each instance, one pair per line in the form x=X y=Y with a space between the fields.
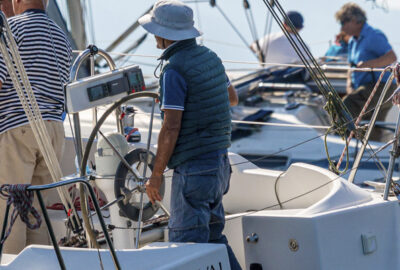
x=276 y=189
x=31 y=108
x=396 y=71
x=280 y=203
x=363 y=110
x=278 y=124
x=330 y=107
x=335 y=106
x=377 y=160
x=323 y=67
x=22 y=199
x=307 y=58
x=332 y=130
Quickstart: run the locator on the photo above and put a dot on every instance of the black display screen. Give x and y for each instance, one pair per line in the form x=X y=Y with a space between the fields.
x=118 y=86
x=97 y=92
x=133 y=79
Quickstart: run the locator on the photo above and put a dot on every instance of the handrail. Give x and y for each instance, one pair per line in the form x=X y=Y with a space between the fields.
x=369 y=130
x=90 y=52
x=92 y=194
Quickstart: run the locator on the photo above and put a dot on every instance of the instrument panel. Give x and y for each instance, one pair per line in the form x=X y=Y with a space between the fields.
x=102 y=89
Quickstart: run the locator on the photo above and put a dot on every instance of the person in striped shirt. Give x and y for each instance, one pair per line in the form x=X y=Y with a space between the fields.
x=46 y=54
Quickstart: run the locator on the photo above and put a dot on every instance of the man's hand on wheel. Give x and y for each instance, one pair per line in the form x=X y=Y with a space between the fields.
x=153 y=188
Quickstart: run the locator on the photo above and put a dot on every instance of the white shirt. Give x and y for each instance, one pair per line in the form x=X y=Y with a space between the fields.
x=277 y=49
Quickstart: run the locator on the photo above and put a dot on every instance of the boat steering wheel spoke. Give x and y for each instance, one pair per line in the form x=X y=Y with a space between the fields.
x=133 y=169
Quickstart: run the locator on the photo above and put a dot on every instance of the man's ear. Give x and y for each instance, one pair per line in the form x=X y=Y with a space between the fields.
x=15 y=8
x=15 y=2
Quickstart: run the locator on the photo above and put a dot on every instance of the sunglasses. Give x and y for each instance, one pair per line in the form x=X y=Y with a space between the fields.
x=344 y=21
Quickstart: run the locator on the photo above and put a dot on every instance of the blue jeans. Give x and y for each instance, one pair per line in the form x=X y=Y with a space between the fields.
x=197 y=213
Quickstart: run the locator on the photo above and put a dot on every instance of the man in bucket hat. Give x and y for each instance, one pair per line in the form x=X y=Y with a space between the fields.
x=196 y=128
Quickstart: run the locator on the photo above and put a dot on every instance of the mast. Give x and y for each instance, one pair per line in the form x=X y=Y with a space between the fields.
x=77 y=22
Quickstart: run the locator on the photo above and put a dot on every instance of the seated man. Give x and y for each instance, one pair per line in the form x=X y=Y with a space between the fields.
x=275 y=48
x=339 y=50
x=368 y=48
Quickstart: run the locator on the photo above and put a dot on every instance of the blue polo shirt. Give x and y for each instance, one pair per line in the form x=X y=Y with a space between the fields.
x=371 y=44
x=174 y=90
x=340 y=49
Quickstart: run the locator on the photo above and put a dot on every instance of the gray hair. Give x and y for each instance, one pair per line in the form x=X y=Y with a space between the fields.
x=351 y=11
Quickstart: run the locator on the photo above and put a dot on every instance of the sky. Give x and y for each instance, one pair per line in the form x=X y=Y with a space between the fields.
x=320 y=27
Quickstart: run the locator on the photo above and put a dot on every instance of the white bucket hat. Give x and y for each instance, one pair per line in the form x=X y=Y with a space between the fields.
x=170 y=19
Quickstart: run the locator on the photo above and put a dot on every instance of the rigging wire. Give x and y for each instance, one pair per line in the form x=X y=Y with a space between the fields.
x=271 y=155
x=131 y=61
x=317 y=74
x=279 y=124
x=132 y=48
x=359 y=118
x=89 y=231
x=374 y=153
x=232 y=25
x=123 y=61
x=377 y=160
x=335 y=106
x=267 y=33
x=309 y=191
x=253 y=29
x=250 y=20
x=303 y=142
x=332 y=95
x=298 y=144
x=333 y=130
x=298 y=44
x=31 y=108
x=280 y=203
x=253 y=23
x=263 y=123
x=323 y=67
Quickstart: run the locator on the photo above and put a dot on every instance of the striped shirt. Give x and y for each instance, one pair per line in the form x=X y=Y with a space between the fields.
x=46 y=54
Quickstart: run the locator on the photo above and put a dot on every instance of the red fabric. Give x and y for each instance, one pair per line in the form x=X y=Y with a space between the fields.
x=77 y=201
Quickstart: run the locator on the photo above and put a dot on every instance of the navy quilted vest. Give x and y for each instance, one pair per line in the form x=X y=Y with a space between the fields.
x=206 y=120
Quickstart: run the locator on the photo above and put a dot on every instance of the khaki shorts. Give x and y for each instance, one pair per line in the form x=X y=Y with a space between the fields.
x=21 y=162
